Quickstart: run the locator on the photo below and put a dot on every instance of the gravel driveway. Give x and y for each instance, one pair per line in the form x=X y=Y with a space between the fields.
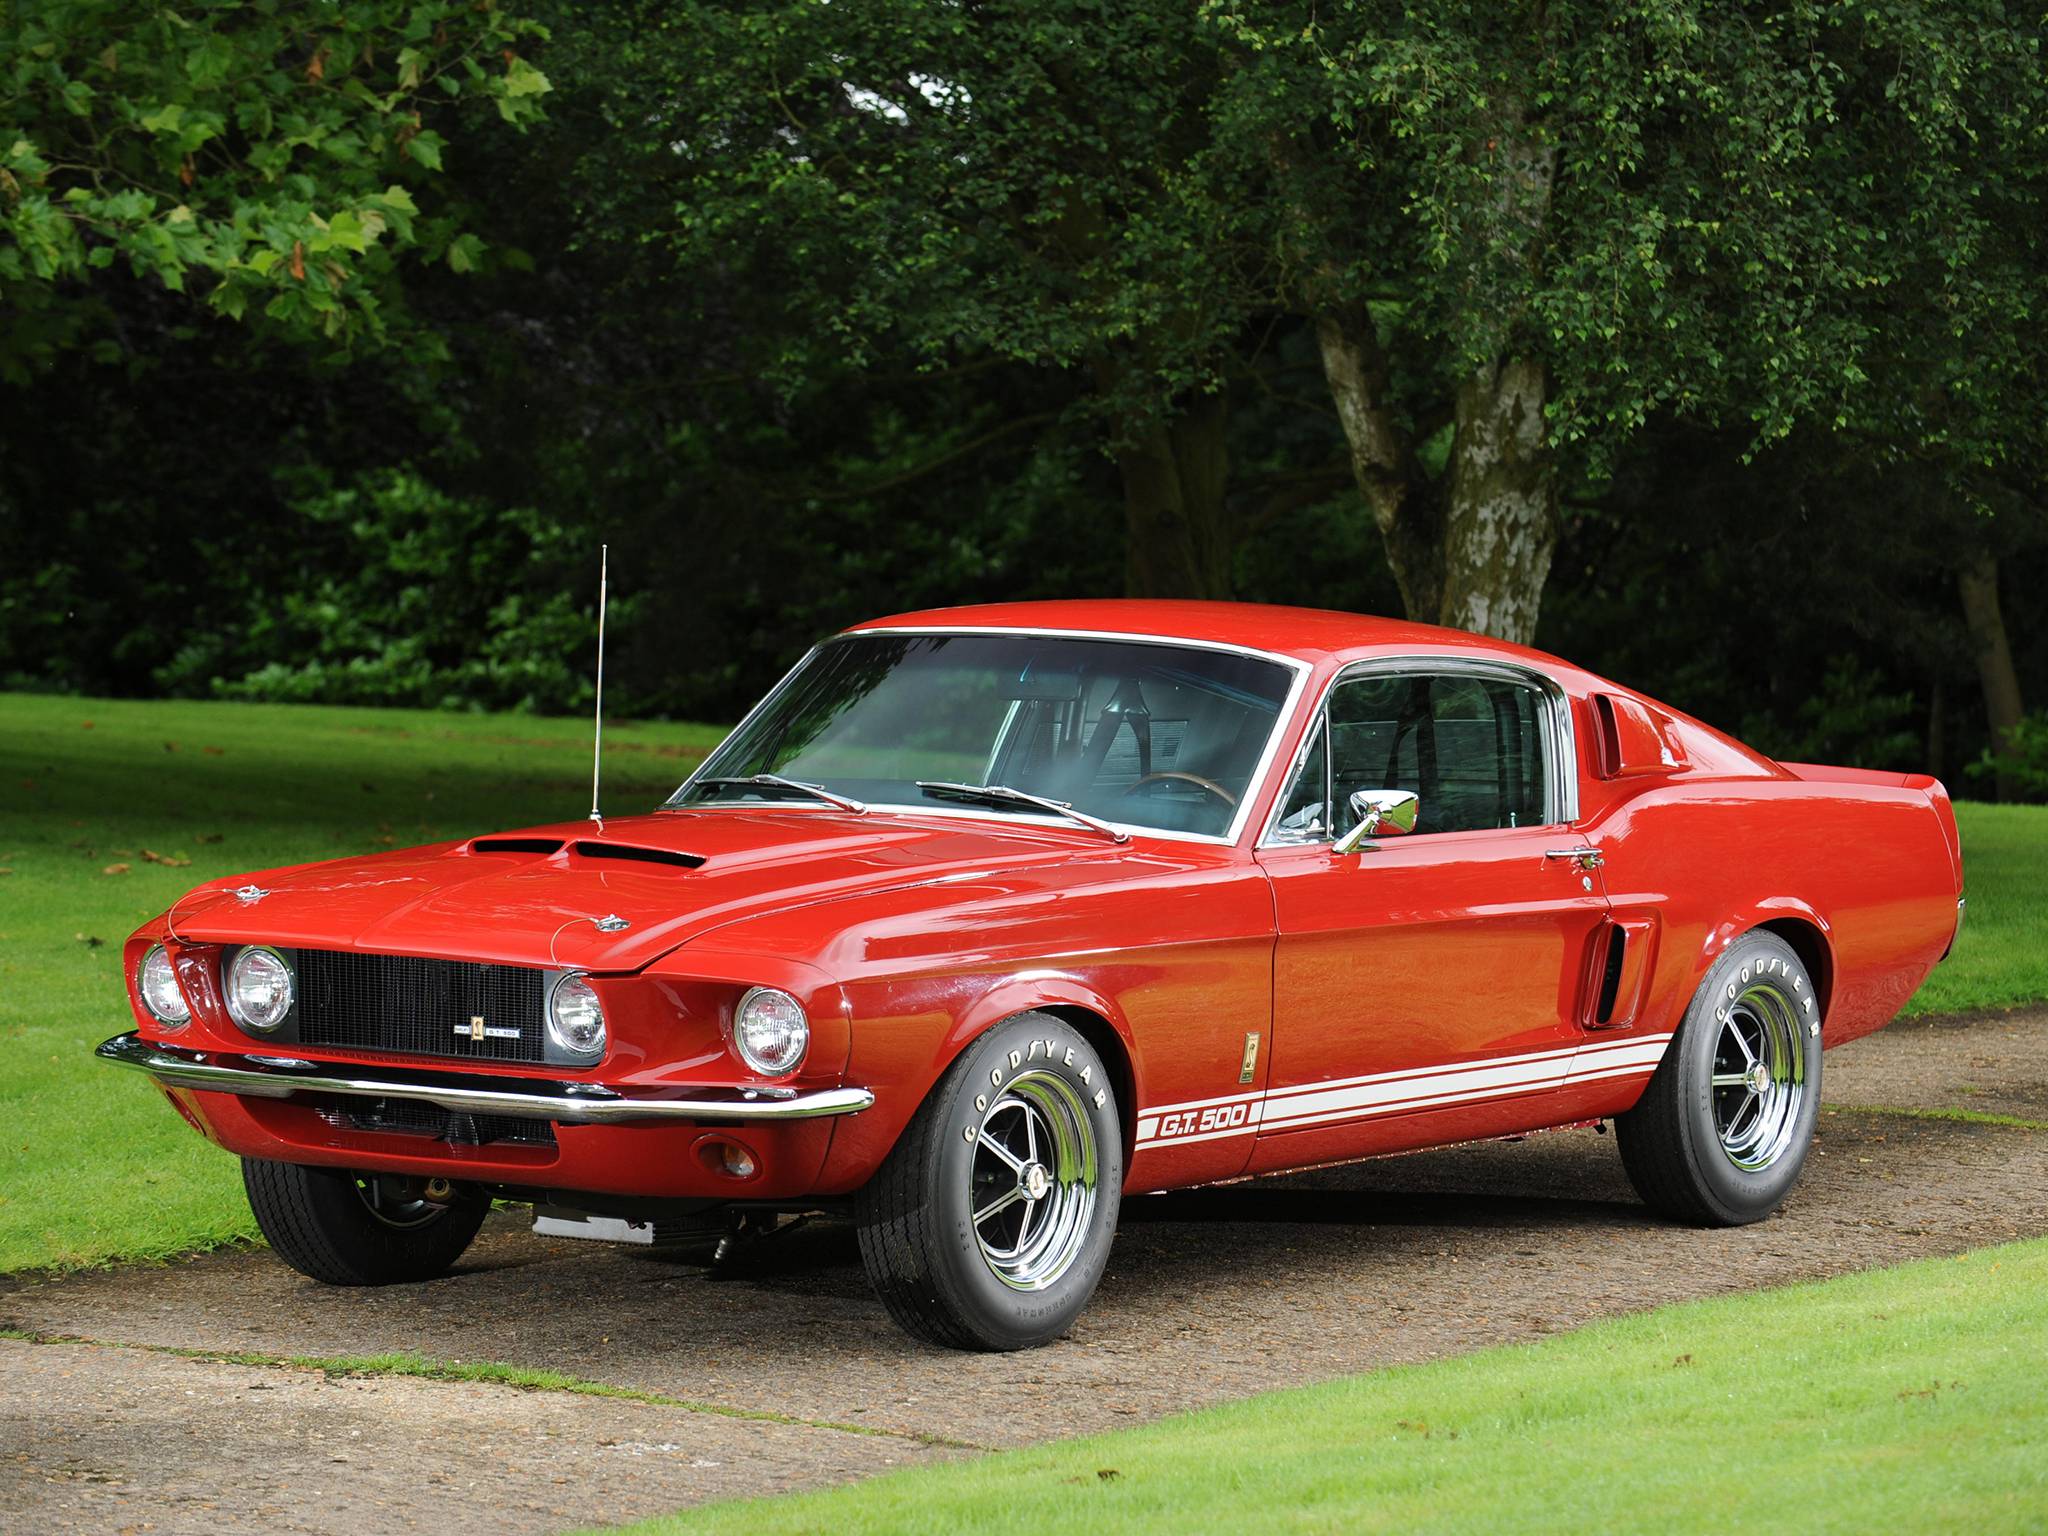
x=165 y=1399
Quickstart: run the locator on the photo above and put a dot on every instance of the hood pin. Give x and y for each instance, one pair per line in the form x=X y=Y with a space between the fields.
x=612 y=924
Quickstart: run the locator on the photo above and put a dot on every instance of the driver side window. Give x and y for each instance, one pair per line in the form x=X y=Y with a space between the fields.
x=1471 y=748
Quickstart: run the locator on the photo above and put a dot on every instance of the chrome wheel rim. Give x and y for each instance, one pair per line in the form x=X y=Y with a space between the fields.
x=1032 y=1181
x=1759 y=1079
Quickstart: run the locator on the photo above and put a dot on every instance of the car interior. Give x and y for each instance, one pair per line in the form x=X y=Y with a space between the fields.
x=1471 y=748
x=1177 y=742
x=1147 y=734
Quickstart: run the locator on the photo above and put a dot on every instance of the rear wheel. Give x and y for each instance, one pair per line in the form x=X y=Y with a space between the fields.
x=344 y=1228
x=1721 y=1133
x=989 y=1224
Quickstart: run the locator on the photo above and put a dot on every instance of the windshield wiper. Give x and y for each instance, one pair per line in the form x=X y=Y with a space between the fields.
x=1002 y=794
x=815 y=791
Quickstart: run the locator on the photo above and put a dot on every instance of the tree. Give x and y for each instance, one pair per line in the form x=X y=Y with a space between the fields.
x=834 y=309
x=939 y=188
x=271 y=150
x=1537 y=226
x=1519 y=231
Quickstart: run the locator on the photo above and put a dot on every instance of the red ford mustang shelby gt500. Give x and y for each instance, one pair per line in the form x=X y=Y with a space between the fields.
x=987 y=917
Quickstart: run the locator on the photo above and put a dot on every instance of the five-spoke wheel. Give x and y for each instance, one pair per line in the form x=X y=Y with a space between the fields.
x=1033 y=1177
x=1759 y=1077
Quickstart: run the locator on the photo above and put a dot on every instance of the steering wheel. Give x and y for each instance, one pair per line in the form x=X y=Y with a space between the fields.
x=1175 y=776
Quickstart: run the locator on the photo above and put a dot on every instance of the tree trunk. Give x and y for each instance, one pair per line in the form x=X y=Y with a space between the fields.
x=1477 y=557
x=1500 y=516
x=1978 y=584
x=1178 y=537
x=1356 y=369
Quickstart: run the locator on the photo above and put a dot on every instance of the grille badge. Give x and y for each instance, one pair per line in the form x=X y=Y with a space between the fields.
x=477 y=1029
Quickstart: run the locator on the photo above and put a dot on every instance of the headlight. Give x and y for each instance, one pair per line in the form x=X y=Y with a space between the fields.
x=770 y=1032
x=158 y=984
x=259 y=988
x=575 y=1017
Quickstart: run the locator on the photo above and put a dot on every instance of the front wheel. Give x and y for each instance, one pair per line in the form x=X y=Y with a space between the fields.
x=1721 y=1132
x=344 y=1228
x=989 y=1224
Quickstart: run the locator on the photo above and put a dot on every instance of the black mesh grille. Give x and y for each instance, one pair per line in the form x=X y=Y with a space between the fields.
x=409 y=1117
x=425 y=1007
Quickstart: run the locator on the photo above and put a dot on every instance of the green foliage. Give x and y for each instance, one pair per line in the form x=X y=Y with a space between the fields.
x=1851 y=717
x=921 y=183
x=1725 y=211
x=265 y=155
x=1823 y=217
x=1734 y=212
x=407 y=595
x=2021 y=759
x=819 y=311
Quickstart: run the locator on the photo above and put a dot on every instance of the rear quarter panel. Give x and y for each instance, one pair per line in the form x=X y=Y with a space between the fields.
x=1865 y=861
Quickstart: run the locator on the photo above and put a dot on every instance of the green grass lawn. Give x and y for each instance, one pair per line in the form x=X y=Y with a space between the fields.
x=1898 y=1400
x=93 y=1165
x=2002 y=957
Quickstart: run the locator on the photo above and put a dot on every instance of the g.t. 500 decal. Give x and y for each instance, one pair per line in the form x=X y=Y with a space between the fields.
x=1190 y=1122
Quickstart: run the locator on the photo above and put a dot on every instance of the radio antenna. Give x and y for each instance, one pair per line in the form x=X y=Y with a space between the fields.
x=597 y=743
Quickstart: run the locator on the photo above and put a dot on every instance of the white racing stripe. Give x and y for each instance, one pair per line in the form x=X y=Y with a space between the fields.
x=1303 y=1105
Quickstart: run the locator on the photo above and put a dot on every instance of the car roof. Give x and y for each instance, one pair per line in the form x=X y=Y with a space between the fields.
x=1306 y=634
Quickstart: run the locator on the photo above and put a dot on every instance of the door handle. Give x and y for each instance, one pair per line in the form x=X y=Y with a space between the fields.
x=1581 y=858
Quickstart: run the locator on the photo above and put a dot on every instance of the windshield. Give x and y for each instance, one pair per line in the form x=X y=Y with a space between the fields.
x=1147 y=735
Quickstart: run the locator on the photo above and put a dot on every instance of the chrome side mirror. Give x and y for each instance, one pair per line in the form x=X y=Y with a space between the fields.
x=1380 y=813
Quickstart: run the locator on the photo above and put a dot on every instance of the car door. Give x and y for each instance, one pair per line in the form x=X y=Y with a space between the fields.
x=1427 y=987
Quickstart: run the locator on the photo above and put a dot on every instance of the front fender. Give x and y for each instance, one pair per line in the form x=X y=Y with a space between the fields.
x=1026 y=990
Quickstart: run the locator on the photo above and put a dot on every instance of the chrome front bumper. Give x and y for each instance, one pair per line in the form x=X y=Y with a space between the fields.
x=273 y=1077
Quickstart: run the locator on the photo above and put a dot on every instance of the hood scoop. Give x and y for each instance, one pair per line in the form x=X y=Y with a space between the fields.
x=544 y=847
x=638 y=855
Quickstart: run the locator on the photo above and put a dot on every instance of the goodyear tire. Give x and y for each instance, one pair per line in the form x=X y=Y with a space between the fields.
x=989 y=1224
x=342 y=1228
x=1721 y=1133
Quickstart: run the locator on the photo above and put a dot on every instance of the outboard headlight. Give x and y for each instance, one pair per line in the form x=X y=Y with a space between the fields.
x=158 y=983
x=770 y=1031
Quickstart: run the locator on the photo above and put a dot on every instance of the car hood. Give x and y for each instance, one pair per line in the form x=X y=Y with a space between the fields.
x=537 y=896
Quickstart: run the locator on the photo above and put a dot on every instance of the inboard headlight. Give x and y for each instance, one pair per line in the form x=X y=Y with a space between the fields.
x=259 y=988
x=158 y=984
x=575 y=1017
x=770 y=1032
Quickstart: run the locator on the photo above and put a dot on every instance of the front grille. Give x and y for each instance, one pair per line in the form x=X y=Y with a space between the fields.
x=424 y=1007
x=409 y=1117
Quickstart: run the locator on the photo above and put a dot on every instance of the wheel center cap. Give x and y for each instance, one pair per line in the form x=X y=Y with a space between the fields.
x=1759 y=1078
x=1035 y=1181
